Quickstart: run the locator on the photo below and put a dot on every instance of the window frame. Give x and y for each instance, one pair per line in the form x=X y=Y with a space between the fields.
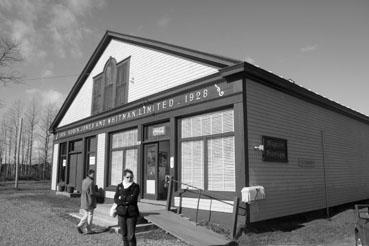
x=205 y=139
x=124 y=149
x=102 y=104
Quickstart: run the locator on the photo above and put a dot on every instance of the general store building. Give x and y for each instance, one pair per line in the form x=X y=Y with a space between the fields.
x=210 y=122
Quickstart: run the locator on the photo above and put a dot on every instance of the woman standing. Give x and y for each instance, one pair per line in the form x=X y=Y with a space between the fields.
x=126 y=197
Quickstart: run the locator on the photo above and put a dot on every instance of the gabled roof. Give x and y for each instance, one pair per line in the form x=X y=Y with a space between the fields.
x=216 y=61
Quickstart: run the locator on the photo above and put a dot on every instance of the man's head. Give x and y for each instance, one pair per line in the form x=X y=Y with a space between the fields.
x=91 y=173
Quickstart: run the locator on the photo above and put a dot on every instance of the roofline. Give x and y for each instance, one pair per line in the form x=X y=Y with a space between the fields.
x=271 y=80
x=216 y=61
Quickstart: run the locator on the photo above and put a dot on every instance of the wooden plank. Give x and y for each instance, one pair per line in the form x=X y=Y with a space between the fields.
x=185 y=230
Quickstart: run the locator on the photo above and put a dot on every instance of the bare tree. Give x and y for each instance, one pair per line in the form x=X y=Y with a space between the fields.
x=48 y=116
x=3 y=145
x=31 y=121
x=9 y=56
x=15 y=113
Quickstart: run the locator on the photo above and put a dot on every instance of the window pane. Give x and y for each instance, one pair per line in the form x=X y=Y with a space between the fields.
x=208 y=124
x=124 y=139
x=91 y=144
x=116 y=171
x=192 y=163
x=131 y=161
x=221 y=164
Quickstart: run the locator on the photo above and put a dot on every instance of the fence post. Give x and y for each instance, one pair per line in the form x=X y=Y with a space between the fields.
x=236 y=203
x=170 y=193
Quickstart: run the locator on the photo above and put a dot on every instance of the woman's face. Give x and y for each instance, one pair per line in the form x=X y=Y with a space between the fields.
x=128 y=177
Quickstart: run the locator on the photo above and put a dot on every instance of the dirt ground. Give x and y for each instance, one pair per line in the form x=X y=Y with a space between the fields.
x=307 y=229
x=33 y=215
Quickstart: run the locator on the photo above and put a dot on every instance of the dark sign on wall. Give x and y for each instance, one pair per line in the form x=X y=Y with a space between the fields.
x=275 y=149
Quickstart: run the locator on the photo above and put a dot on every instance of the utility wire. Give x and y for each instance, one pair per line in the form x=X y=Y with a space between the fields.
x=51 y=77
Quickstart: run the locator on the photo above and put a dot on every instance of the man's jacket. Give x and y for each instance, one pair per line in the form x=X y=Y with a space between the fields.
x=88 y=195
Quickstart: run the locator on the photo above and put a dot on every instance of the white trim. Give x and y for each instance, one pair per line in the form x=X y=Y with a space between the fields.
x=100 y=160
x=205 y=204
x=55 y=167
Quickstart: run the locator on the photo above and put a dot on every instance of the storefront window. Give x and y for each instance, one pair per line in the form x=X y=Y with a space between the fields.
x=124 y=152
x=207 y=143
x=62 y=161
x=91 y=152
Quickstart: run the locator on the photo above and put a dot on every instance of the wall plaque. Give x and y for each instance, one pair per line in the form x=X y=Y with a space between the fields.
x=275 y=149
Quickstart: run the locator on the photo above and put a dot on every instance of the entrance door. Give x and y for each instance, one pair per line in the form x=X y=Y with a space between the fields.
x=75 y=171
x=156 y=163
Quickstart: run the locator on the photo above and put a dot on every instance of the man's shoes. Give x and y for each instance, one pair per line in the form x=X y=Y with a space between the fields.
x=79 y=229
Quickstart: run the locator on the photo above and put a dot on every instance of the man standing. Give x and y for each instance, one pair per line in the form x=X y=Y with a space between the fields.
x=88 y=202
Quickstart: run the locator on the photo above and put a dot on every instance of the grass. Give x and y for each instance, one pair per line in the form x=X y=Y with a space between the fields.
x=41 y=203
x=34 y=215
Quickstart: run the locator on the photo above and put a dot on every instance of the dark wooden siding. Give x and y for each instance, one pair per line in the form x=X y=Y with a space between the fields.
x=312 y=132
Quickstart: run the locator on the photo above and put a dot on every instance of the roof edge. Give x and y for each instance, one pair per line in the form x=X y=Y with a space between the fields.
x=202 y=57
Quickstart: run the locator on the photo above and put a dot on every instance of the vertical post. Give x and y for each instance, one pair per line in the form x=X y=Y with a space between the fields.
x=198 y=205
x=18 y=152
x=236 y=203
x=324 y=175
x=170 y=193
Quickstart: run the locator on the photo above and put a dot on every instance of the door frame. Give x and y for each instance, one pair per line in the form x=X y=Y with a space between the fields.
x=149 y=195
x=144 y=180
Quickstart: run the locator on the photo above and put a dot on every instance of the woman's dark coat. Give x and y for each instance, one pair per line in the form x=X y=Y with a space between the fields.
x=126 y=200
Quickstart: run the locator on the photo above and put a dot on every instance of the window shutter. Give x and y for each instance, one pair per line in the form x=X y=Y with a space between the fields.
x=96 y=95
x=122 y=84
x=108 y=97
x=193 y=164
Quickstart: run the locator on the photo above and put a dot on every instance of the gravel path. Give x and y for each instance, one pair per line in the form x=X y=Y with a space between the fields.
x=35 y=216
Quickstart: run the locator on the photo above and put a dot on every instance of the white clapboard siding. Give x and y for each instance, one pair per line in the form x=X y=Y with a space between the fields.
x=150 y=72
x=100 y=162
x=295 y=186
x=54 y=174
x=204 y=204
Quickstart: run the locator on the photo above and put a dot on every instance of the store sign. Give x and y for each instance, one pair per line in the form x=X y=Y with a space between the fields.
x=275 y=149
x=158 y=131
x=92 y=160
x=198 y=96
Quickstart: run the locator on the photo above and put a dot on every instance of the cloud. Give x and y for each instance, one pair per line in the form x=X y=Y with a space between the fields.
x=46 y=96
x=164 y=21
x=39 y=24
x=309 y=48
x=46 y=73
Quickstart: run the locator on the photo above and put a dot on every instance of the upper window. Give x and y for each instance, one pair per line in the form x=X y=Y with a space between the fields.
x=110 y=88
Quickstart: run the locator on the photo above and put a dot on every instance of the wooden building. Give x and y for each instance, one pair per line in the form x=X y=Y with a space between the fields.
x=211 y=122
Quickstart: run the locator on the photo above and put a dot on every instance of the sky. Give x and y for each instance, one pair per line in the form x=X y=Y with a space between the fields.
x=322 y=45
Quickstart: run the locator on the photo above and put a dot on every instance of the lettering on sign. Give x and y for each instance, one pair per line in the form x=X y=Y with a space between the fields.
x=305 y=163
x=201 y=95
x=275 y=149
x=158 y=131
